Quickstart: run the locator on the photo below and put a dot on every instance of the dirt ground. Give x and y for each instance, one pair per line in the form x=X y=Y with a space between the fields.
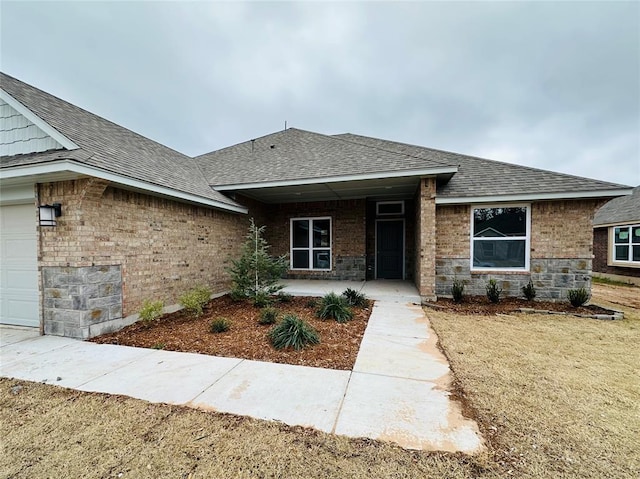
x=247 y=339
x=619 y=295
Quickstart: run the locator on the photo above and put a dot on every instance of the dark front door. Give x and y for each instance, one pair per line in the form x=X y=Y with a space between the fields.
x=389 y=249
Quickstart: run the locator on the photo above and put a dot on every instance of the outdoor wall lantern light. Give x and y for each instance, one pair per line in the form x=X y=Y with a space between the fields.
x=49 y=213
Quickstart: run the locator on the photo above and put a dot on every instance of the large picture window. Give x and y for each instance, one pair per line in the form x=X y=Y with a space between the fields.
x=500 y=238
x=626 y=244
x=311 y=243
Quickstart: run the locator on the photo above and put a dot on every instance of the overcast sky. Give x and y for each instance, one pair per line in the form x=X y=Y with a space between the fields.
x=550 y=85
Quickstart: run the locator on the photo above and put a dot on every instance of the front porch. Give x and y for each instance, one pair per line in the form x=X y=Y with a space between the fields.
x=382 y=289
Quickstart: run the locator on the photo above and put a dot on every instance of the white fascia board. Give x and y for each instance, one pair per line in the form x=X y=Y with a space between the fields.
x=533 y=197
x=335 y=179
x=39 y=122
x=618 y=223
x=71 y=166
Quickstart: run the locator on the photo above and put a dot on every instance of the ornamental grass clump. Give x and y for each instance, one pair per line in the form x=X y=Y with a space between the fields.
x=493 y=291
x=220 y=325
x=577 y=297
x=293 y=332
x=194 y=300
x=268 y=316
x=333 y=306
x=529 y=291
x=355 y=298
x=457 y=290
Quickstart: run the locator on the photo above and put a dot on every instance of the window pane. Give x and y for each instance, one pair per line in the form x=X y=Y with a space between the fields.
x=390 y=208
x=499 y=222
x=622 y=235
x=301 y=234
x=321 y=233
x=301 y=259
x=622 y=253
x=636 y=253
x=499 y=254
x=321 y=259
x=635 y=234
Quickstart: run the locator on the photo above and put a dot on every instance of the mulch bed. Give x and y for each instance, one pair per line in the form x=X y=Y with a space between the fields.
x=338 y=348
x=481 y=306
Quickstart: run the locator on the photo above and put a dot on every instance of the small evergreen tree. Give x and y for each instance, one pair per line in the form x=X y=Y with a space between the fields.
x=255 y=273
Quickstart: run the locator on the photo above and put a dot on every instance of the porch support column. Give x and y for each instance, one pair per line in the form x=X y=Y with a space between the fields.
x=426 y=239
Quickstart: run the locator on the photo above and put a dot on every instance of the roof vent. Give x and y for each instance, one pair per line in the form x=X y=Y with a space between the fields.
x=272 y=146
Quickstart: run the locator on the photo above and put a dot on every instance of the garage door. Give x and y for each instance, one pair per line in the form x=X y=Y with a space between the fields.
x=18 y=266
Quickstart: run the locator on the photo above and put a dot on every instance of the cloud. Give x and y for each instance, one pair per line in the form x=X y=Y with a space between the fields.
x=550 y=85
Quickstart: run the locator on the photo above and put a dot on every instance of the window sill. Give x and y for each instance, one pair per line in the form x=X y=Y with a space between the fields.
x=623 y=264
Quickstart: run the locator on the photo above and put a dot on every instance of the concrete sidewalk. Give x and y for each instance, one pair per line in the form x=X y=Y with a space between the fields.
x=396 y=392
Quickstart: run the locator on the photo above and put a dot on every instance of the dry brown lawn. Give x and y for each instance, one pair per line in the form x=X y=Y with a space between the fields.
x=556 y=397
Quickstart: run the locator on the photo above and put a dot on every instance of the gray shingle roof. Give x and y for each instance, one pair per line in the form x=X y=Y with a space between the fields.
x=108 y=146
x=620 y=210
x=482 y=177
x=295 y=154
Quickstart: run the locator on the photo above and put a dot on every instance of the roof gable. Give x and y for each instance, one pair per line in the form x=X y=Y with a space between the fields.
x=22 y=132
x=299 y=156
x=112 y=148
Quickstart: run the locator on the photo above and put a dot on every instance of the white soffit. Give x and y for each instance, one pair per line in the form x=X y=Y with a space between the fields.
x=67 y=167
x=568 y=195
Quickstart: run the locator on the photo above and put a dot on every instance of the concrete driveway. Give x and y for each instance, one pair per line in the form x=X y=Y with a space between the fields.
x=398 y=390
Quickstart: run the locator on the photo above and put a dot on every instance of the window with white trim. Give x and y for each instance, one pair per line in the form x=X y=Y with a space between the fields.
x=500 y=238
x=311 y=243
x=385 y=208
x=626 y=244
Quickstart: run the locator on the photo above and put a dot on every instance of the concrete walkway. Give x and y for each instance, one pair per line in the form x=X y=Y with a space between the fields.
x=396 y=392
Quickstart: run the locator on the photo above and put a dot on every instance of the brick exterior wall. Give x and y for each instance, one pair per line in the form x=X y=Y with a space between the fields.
x=601 y=256
x=561 y=250
x=348 y=234
x=425 y=239
x=162 y=247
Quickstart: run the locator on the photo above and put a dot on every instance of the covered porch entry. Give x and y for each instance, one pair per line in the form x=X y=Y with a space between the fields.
x=390 y=290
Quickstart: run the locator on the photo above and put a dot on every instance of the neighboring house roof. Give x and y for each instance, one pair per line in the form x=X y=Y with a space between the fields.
x=625 y=209
x=104 y=147
x=298 y=156
x=481 y=179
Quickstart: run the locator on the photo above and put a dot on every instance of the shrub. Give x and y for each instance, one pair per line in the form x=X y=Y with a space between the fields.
x=158 y=346
x=284 y=297
x=457 y=290
x=529 y=291
x=194 y=300
x=219 y=325
x=335 y=307
x=256 y=272
x=151 y=310
x=268 y=316
x=355 y=298
x=294 y=333
x=493 y=291
x=578 y=297
x=261 y=299
x=312 y=303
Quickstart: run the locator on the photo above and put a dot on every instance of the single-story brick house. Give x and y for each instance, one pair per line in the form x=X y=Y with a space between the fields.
x=139 y=221
x=616 y=239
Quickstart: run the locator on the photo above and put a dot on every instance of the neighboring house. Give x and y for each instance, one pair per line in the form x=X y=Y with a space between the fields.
x=616 y=239
x=141 y=221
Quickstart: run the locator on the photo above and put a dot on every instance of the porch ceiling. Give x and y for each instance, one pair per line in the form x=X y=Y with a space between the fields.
x=383 y=188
